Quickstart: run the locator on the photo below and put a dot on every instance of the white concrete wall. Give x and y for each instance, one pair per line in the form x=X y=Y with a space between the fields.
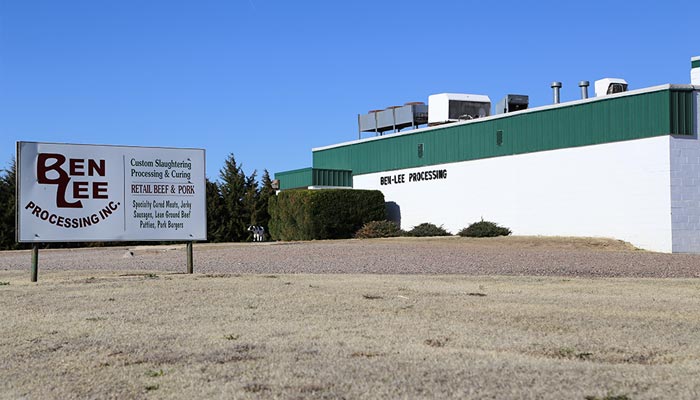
x=685 y=189
x=620 y=190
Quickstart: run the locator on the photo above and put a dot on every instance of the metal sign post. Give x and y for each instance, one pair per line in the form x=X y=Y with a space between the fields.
x=190 y=264
x=35 y=262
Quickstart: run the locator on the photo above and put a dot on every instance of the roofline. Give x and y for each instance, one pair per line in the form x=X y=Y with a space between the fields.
x=319 y=187
x=696 y=58
x=506 y=115
x=294 y=170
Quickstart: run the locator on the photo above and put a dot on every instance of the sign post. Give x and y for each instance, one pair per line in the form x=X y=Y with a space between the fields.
x=190 y=263
x=95 y=193
x=35 y=262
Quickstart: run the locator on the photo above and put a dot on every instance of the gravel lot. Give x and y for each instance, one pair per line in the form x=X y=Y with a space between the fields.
x=533 y=256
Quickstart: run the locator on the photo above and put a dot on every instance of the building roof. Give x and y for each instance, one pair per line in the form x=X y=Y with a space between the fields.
x=657 y=111
x=511 y=114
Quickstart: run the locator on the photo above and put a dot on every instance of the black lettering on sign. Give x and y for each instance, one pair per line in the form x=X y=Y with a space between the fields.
x=413 y=177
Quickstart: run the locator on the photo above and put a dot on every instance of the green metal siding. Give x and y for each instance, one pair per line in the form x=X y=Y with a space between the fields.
x=295 y=179
x=695 y=64
x=302 y=178
x=330 y=177
x=638 y=116
x=681 y=112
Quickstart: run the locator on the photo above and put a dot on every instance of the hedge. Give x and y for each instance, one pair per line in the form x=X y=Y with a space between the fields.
x=323 y=214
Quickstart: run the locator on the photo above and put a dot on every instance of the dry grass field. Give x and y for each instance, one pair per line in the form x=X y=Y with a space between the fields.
x=133 y=333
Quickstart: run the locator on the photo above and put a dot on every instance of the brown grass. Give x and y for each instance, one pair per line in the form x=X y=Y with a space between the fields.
x=529 y=242
x=116 y=335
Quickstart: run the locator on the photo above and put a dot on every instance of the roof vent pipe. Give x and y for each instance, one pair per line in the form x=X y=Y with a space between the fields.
x=556 y=86
x=584 y=89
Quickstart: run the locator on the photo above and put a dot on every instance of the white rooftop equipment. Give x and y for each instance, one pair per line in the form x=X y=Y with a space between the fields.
x=608 y=86
x=695 y=70
x=452 y=107
x=512 y=102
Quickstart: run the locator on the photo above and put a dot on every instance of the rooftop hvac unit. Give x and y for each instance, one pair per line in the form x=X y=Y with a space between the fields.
x=512 y=102
x=393 y=118
x=452 y=107
x=606 y=86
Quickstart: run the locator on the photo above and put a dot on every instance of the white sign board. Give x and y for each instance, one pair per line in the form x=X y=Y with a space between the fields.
x=91 y=193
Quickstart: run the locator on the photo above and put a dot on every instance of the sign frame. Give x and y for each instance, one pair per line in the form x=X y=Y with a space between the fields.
x=103 y=189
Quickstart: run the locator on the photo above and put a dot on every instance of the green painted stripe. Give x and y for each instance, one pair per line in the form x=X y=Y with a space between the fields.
x=617 y=119
x=695 y=64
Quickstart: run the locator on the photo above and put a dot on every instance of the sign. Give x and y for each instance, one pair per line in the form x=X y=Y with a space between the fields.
x=413 y=177
x=91 y=193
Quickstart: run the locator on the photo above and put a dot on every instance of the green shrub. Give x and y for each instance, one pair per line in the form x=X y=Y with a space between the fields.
x=378 y=229
x=287 y=213
x=323 y=214
x=428 y=229
x=484 y=229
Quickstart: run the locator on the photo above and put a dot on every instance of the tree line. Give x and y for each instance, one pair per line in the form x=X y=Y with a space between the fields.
x=234 y=202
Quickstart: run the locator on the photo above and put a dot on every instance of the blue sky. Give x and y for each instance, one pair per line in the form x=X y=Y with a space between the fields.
x=269 y=80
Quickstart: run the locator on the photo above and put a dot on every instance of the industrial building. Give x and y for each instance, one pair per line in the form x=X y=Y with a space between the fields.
x=623 y=164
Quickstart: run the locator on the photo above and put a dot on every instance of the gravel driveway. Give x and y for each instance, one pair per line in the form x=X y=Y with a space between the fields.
x=534 y=256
